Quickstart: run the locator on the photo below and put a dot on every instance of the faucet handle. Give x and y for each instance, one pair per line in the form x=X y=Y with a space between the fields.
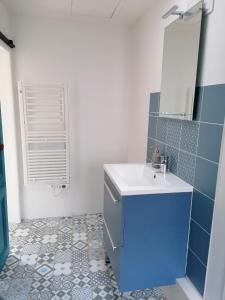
x=164 y=161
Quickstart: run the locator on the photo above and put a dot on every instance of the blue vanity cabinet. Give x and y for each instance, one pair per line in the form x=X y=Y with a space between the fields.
x=146 y=237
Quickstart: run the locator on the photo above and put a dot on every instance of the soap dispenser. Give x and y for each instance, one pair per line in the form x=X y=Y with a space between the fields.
x=156 y=158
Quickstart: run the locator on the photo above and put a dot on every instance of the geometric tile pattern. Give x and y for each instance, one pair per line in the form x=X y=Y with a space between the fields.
x=193 y=148
x=189 y=136
x=173 y=134
x=186 y=167
x=61 y=258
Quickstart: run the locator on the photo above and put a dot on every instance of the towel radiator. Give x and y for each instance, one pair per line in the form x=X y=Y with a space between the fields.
x=44 y=132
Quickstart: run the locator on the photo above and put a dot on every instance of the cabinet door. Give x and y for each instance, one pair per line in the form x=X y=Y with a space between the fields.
x=113 y=213
x=4 y=242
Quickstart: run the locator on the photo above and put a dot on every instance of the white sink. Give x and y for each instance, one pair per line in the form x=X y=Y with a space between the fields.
x=138 y=179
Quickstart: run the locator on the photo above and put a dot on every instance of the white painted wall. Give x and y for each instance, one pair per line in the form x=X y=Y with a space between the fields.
x=8 y=118
x=92 y=58
x=5 y=25
x=147 y=52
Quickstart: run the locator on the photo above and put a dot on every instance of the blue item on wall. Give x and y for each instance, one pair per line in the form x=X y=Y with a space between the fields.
x=4 y=239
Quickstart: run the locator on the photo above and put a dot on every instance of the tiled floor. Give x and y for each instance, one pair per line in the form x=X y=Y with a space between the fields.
x=63 y=258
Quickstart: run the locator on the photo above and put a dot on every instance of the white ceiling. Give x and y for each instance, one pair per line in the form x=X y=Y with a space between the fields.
x=127 y=11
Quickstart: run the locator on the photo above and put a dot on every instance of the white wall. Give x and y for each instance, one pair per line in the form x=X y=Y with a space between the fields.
x=5 y=26
x=92 y=58
x=8 y=120
x=147 y=51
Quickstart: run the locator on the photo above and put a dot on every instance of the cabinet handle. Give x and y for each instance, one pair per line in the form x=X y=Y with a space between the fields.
x=111 y=241
x=111 y=195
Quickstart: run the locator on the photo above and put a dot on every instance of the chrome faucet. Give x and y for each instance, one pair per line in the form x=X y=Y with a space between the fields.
x=162 y=165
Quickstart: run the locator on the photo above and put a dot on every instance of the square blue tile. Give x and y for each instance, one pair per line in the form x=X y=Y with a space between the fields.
x=150 y=149
x=213 y=105
x=154 y=103
x=189 y=136
x=202 y=210
x=186 y=167
x=199 y=242
x=152 y=125
x=206 y=177
x=173 y=132
x=196 y=272
x=209 y=143
x=198 y=103
x=172 y=154
x=161 y=129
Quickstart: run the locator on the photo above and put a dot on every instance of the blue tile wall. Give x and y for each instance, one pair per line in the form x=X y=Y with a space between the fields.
x=196 y=271
x=193 y=148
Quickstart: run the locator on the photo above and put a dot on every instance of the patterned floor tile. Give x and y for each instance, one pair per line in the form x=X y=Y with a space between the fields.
x=82 y=280
x=82 y=293
x=62 y=295
x=46 y=258
x=62 y=283
x=40 y=284
x=12 y=260
x=80 y=245
x=44 y=270
x=79 y=236
x=61 y=258
x=95 y=235
x=62 y=269
x=80 y=256
x=33 y=248
x=100 y=278
x=16 y=250
x=97 y=265
x=103 y=293
x=82 y=227
x=65 y=238
x=96 y=254
x=45 y=295
x=20 y=286
x=81 y=267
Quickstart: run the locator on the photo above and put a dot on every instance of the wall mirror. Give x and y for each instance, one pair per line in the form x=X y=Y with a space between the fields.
x=180 y=60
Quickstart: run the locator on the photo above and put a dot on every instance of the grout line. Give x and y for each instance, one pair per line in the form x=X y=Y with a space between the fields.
x=156 y=114
x=200 y=226
x=210 y=123
x=198 y=258
x=182 y=150
x=216 y=163
x=189 y=230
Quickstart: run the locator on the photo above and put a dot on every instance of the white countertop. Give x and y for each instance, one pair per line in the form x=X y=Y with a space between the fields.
x=140 y=179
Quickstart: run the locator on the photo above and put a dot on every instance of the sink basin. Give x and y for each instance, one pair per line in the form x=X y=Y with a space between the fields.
x=137 y=179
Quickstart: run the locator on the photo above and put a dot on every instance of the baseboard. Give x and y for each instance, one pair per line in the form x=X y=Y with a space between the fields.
x=189 y=289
